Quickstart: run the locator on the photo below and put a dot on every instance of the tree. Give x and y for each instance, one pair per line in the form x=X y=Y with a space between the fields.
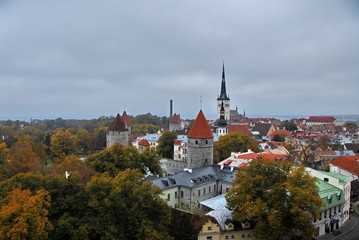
x=289 y=125
x=281 y=200
x=118 y=158
x=279 y=137
x=165 y=144
x=63 y=143
x=25 y=215
x=22 y=159
x=233 y=142
x=83 y=141
x=126 y=207
x=144 y=128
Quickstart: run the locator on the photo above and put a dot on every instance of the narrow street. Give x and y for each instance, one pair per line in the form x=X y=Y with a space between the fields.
x=349 y=231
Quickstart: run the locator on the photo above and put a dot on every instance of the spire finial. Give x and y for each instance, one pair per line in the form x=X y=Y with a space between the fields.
x=200 y=101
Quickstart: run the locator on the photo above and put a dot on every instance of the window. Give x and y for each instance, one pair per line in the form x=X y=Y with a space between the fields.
x=209 y=228
x=204 y=191
x=196 y=142
x=209 y=238
x=233 y=237
x=206 y=141
x=330 y=200
x=168 y=197
x=181 y=194
x=209 y=189
x=339 y=197
x=325 y=214
x=326 y=179
x=243 y=236
x=227 y=237
x=176 y=195
x=199 y=193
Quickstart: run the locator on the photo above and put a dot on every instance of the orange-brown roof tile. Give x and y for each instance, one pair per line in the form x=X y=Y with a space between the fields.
x=118 y=124
x=348 y=163
x=126 y=119
x=200 y=128
x=144 y=143
x=176 y=118
x=282 y=131
x=239 y=128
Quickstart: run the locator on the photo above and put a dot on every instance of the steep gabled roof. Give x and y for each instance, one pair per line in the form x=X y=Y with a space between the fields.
x=176 y=118
x=347 y=163
x=118 y=124
x=200 y=128
x=144 y=143
x=262 y=128
x=126 y=119
x=239 y=128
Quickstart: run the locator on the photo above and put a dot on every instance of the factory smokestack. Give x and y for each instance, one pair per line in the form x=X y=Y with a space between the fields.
x=171 y=108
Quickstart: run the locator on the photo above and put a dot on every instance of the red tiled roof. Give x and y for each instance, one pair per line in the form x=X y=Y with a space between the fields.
x=118 y=124
x=247 y=156
x=282 y=131
x=239 y=128
x=177 y=142
x=144 y=143
x=200 y=128
x=126 y=119
x=176 y=118
x=321 y=119
x=347 y=163
x=228 y=162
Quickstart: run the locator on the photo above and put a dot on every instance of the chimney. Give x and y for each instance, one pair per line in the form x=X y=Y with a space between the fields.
x=171 y=109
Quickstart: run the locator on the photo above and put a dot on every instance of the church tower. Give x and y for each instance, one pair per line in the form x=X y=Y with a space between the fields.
x=223 y=97
x=117 y=132
x=222 y=128
x=200 y=143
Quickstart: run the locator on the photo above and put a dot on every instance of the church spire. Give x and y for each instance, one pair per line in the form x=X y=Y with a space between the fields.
x=223 y=95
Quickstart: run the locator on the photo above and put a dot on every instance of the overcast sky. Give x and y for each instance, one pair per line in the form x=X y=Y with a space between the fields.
x=86 y=59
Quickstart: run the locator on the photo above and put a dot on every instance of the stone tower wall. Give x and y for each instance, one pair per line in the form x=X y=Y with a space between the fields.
x=113 y=137
x=200 y=152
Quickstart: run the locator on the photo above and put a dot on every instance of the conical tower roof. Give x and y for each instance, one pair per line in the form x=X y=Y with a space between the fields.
x=200 y=128
x=126 y=119
x=118 y=124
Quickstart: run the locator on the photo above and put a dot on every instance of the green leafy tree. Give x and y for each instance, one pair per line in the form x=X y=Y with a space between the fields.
x=279 y=137
x=118 y=158
x=83 y=141
x=282 y=200
x=126 y=207
x=165 y=144
x=233 y=142
x=68 y=206
x=63 y=143
x=144 y=128
x=289 y=125
x=25 y=215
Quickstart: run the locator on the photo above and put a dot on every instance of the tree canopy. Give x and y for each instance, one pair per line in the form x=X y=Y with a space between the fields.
x=165 y=144
x=233 y=142
x=25 y=215
x=282 y=200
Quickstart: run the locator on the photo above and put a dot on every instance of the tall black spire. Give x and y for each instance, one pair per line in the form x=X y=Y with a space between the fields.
x=223 y=95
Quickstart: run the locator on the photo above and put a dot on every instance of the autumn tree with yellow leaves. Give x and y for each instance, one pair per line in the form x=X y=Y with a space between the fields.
x=24 y=217
x=280 y=199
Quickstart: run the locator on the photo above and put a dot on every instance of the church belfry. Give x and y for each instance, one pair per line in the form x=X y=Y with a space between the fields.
x=223 y=98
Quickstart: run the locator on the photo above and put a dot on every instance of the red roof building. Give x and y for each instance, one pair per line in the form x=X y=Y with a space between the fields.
x=239 y=128
x=349 y=164
x=176 y=118
x=281 y=132
x=118 y=124
x=144 y=143
x=318 y=119
x=200 y=128
x=126 y=119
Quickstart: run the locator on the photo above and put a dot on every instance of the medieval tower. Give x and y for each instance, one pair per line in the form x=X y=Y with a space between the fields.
x=223 y=98
x=117 y=132
x=200 y=143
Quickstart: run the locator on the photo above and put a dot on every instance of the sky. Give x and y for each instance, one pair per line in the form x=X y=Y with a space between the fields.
x=85 y=59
